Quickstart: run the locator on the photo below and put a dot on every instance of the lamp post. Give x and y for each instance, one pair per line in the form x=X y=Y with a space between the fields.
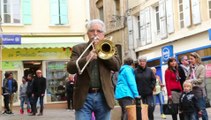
x=1 y=42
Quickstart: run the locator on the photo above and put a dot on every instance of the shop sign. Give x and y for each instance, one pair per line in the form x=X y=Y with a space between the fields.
x=11 y=39
x=167 y=52
x=11 y=65
x=209 y=32
x=208 y=70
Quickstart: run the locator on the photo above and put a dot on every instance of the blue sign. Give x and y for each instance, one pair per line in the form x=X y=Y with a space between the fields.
x=11 y=39
x=167 y=52
x=209 y=32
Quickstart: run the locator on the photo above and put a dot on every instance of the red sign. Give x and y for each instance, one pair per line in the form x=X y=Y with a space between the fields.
x=208 y=70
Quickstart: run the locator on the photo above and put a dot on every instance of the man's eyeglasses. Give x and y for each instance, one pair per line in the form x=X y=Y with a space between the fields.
x=98 y=31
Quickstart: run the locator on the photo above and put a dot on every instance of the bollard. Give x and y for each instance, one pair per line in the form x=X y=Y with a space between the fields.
x=138 y=109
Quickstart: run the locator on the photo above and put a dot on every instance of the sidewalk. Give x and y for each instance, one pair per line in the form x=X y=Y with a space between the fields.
x=63 y=114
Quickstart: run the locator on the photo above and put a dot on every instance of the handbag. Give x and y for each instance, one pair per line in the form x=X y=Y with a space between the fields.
x=208 y=103
x=170 y=108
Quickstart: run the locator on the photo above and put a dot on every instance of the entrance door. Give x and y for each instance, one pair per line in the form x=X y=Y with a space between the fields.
x=30 y=67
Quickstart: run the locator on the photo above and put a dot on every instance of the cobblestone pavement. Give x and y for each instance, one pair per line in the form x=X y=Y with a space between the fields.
x=62 y=114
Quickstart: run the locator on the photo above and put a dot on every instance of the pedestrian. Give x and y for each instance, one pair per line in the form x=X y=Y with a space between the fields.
x=145 y=80
x=197 y=77
x=11 y=86
x=29 y=91
x=23 y=96
x=188 y=102
x=69 y=91
x=6 y=94
x=183 y=68
x=157 y=92
x=93 y=88
x=173 y=86
x=38 y=91
x=126 y=88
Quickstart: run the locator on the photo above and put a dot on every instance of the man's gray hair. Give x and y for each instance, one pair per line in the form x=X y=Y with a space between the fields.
x=96 y=21
x=142 y=58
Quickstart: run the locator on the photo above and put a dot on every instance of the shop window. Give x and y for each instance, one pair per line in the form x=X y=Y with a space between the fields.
x=56 y=79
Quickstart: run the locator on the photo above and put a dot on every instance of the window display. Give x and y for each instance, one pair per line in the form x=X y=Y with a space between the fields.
x=56 y=78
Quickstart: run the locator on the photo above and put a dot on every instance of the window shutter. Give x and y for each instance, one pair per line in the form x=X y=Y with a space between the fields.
x=142 y=28
x=186 y=9
x=64 y=11
x=130 y=32
x=163 y=29
x=169 y=15
x=196 y=17
x=54 y=11
x=148 y=26
x=26 y=12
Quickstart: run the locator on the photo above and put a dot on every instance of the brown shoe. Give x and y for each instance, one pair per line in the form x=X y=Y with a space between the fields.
x=40 y=114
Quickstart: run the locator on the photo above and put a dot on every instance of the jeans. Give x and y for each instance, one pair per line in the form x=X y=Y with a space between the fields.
x=160 y=99
x=24 y=100
x=189 y=116
x=150 y=102
x=123 y=102
x=202 y=104
x=95 y=102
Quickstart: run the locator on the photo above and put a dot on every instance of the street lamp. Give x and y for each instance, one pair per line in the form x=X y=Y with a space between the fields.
x=1 y=42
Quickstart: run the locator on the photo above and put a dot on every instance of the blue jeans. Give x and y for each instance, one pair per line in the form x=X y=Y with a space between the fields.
x=159 y=96
x=189 y=116
x=24 y=100
x=95 y=102
x=202 y=104
x=150 y=102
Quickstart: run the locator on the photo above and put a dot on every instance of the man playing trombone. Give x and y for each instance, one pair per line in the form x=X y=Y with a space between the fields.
x=93 y=62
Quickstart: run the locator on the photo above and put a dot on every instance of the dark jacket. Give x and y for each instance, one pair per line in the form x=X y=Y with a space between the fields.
x=6 y=89
x=29 y=88
x=188 y=103
x=38 y=86
x=69 y=87
x=83 y=80
x=182 y=75
x=145 y=80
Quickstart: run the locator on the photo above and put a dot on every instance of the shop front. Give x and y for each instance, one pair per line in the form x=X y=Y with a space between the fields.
x=50 y=58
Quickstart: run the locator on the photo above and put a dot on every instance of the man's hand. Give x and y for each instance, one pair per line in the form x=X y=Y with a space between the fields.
x=92 y=55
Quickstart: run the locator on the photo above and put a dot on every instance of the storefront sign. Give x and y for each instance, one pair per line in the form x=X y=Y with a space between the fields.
x=209 y=32
x=208 y=70
x=11 y=65
x=36 y=54
x=11 y=39
x=167 y=52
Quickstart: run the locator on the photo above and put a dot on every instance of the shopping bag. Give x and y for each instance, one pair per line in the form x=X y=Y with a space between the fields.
x=131 y=112
x=170 y=108
x=144 y=111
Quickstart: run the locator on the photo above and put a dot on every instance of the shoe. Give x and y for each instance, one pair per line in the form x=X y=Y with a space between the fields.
x=40 y=114
x=32 y=114
x=163 y=116
x=28 y=110
x=68 y=110
x=21 y=111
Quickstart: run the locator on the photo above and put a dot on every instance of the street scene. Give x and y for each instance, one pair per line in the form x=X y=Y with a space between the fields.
x=67 y=57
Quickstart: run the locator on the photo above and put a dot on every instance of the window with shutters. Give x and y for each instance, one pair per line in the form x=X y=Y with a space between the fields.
x=181 y=18
x=59 y=12
x=117 y=7
x=157 y=19
x=209 y=8
x=10 y=11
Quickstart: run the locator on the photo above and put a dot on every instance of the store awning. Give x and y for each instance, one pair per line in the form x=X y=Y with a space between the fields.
x=46 y=42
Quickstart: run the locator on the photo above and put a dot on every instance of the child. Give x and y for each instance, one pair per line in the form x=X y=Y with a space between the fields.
x=23 y=96
x=188 y=102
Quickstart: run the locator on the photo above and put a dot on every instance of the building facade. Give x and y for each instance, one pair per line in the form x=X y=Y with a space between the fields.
x=159 y=29
x=112 y=12
x=47 y=31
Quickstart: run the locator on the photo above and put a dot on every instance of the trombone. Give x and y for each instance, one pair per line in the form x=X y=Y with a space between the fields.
x=105 y=50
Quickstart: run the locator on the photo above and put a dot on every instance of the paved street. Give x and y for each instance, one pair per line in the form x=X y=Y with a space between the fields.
x=62 y=114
